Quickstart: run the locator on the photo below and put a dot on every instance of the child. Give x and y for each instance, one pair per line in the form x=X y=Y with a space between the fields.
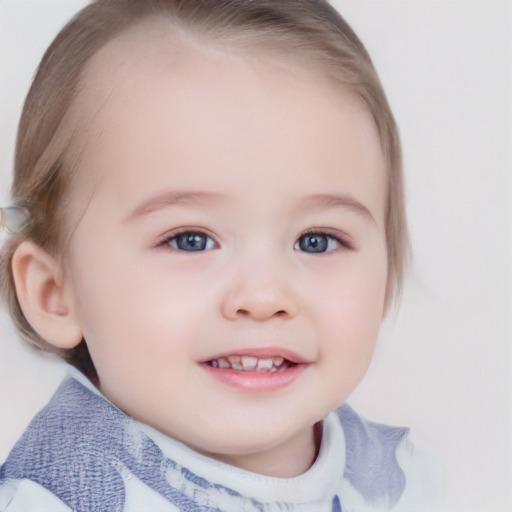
x=208 y=225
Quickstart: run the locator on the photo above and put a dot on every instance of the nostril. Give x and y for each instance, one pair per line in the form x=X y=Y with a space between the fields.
x=260 y=303
x=261 y=314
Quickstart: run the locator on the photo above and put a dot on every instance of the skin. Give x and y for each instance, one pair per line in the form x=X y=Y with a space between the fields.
x=262 y=154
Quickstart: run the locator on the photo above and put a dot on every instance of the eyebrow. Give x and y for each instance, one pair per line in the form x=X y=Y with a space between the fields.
x=173 y=198
x=345 y=202
x=185 y=197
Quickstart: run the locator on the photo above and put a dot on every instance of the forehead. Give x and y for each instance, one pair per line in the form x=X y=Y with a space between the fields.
x=149 y=97
x=158 y=50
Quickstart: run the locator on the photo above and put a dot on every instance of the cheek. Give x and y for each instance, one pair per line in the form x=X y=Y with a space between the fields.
x=135 y=312
x=349 y=324
x=350 y=329
x=346 y=354
x=353 y=294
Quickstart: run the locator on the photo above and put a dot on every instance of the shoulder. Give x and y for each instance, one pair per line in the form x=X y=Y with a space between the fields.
x=84 y=454
x=387 y=467
x=74 y=439
x=26 y=495
x=423 y=471
x=75 y=422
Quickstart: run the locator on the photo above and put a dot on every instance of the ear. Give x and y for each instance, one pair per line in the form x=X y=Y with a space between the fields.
x=45 y=296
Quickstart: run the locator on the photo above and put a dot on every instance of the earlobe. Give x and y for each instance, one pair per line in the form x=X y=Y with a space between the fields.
x=45 y=296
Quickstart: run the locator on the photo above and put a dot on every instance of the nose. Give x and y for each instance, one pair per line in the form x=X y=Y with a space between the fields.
x=260 y=293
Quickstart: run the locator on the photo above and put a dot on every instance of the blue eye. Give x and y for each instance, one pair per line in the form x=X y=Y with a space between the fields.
x=317 y=243
x=191 y=241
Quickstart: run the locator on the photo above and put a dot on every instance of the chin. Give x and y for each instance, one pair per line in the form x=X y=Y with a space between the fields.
x=251 y=438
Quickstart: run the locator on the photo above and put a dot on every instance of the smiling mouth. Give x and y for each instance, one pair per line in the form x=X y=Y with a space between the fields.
x=251 y=364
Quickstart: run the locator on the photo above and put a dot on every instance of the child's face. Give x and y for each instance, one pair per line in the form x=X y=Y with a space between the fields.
x=208 y=185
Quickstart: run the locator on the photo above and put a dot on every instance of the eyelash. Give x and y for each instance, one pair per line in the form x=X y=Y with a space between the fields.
x=165 y=242
x=341 y=241
x=209 y=242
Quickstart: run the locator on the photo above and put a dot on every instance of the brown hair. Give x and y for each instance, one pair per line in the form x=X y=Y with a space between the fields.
x=308 y=31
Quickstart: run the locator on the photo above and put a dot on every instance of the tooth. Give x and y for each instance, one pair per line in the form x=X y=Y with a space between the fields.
x=214 y=363
x=249 y=363
x=234 y=359
x=278 y=361
x=237 y=366
x=224 y=363
x=264 y=364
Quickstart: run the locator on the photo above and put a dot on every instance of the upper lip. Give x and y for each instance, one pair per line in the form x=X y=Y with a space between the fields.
x=263 y=353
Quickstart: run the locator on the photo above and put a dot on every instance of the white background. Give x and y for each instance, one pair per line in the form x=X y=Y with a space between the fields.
x=443 y=364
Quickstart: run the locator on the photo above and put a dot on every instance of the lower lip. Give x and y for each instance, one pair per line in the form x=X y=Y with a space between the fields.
x=256 y=381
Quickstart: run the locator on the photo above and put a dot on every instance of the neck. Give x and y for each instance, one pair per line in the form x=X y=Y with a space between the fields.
x=287 y=460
